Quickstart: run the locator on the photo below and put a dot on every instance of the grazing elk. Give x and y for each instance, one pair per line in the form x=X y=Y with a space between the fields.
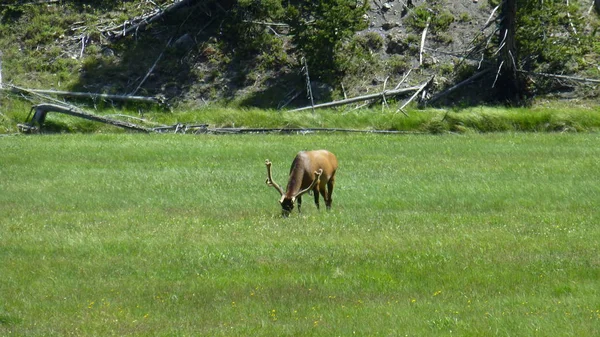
x=311 y=170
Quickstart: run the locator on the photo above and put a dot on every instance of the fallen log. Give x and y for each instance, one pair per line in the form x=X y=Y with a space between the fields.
x=297 y=130
x=360 y=98
x=41 y=110
x=139 y=99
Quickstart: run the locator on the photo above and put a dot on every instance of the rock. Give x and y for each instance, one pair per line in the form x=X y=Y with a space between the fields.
x=390 y=25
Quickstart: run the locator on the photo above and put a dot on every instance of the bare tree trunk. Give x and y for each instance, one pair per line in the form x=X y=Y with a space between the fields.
x=509 y=84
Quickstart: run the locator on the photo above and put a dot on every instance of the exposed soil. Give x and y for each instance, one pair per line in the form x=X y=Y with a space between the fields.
x=182 y=57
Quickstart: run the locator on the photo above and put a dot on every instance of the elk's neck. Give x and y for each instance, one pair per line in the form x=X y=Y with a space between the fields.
x=295 y=181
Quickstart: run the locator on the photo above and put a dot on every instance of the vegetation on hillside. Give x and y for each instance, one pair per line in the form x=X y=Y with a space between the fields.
x=254 y=53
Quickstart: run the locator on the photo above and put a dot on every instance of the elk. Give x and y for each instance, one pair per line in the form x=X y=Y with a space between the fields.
x=310 y=171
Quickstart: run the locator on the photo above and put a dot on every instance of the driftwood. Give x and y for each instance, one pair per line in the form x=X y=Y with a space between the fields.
x=41 y=110
x=360 y=98
x=148 y=19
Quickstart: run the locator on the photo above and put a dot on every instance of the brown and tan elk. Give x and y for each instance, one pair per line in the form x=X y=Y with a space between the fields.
x=311 y=170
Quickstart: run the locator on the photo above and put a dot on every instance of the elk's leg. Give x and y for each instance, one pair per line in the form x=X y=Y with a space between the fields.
x=299 y=203
x=316 y=193
x=328 y=199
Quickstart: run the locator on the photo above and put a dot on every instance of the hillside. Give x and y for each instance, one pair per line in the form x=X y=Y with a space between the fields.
x=190 y=58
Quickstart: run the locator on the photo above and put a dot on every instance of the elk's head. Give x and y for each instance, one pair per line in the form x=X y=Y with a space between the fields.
x=287 y=205
x=288 y=200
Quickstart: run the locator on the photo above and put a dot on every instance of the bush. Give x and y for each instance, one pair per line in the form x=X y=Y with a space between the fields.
x=439 y=18
x=398 y=64
x=550 y=38
x=320 y=29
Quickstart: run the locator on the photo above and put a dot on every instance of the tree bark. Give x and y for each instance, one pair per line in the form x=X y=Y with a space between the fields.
x=509 y=85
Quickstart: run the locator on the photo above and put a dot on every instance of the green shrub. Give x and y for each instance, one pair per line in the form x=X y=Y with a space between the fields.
x=439 y=18
x=319 y=31
x=398 y=64
x=464 y=17
x=370 y=41
x=547 y=39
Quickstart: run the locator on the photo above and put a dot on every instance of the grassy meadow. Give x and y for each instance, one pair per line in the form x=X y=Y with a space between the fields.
x=178 y=235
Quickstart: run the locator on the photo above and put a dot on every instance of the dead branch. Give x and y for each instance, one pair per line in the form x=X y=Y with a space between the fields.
x=130 y=98
x=290 y=96
x=423 y=87
x=148 y=19
x=384 y=102
x=275 y=24
x=403 y=78
x=498 y=73
x=564 y=77
x=423 y=40
x=205 y=129
x=308 y=84
x=457 y=86
x=489 y=20
x=41 y=110
x=41 y=2
x=359 y=98
x=151 y=68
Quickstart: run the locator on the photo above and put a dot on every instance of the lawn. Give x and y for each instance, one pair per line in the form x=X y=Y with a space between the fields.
x=178 y=235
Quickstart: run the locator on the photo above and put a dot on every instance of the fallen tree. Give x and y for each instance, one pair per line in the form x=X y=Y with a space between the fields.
x=130 y=98
x=42 y=110
x=379 y=95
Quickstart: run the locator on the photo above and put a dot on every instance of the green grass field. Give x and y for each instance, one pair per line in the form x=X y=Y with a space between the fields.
x=154 y=235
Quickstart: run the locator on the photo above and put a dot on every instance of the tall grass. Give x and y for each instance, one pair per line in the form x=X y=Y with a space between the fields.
x=553 y=118
x=473 y=235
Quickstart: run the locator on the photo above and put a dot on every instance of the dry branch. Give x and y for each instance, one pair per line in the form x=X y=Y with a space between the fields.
x=148 y=19
x=423 y=40
x=140 y=99
x=41 y=2
x=1 y=70
x=151 y=68
x=423 y=87
x=563 y=77
x=457 y=86
x=360 y=98
x=296 y=130
x=41 y=110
